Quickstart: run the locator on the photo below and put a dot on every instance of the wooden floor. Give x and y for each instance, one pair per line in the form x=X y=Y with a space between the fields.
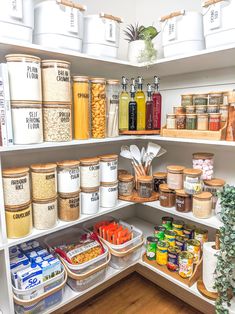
x=134 y=295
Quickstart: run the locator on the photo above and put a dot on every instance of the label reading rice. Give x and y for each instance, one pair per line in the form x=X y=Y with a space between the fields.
x=82 y=249
x=16 y=8
x=215 y=16
x=171 y=34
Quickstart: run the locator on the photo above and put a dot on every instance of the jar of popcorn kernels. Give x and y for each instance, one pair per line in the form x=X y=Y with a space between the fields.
x=204 y=162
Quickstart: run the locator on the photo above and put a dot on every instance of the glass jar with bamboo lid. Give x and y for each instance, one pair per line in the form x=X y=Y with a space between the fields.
x=175 y=177
x=112 y=93
x=202 y=122
x=214 y=186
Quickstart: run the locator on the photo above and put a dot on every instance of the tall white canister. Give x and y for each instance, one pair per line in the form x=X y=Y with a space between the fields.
x=16 y=19
x=59 y=24
x=182 y=33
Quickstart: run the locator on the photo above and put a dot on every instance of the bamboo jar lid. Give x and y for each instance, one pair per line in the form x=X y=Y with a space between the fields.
x=89 y=161
x=109 y=157
x=53 y=63
x=182 y=193
x=215 y=182
x=193 y=172
x=84 y=79
x=43 y=167
x=113 y=82
x=175 y=169
x=203 y=196
x=160 y=175
x=68 y=163
x=126 y=178
x=164 y=188
x=203 y=156
x=145 y=179
x=12 y=172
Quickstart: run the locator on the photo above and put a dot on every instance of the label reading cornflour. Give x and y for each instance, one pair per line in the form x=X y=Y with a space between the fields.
x=90 y=176
x=108 y=171
x=16 y=8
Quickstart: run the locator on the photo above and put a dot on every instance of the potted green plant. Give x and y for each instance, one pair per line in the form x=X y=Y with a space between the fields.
x=141 y=47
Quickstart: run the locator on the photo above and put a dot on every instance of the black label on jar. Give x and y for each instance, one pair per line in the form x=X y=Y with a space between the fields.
x=19 y=184
x=50 y=176
x=83 y=95
x=112 y=189
x=51 y=207
x=64 y=117
x=63 y=76
x=33 y=120
x=94 y=168
x=94 y=197
x=74 y=202
x=23 y=215
x=32 y=72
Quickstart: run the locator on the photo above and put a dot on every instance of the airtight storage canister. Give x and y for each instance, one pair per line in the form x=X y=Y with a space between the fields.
x=90 y=201
x=68 y=174
x=69 y=209
x=90 y=169
x=45 y=213
x=108 y=168
x=108 y=194
x=98 y=108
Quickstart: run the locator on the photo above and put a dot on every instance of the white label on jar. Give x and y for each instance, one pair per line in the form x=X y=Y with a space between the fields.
x=171 y=33
x=90 y=176
x=72 y=19
x=44 y=215
x=68 y=180
x=215 y=16
x=16 y=190
x=16 y=8
x=108 y=171
x=108 y=196
x=90 y=202
x=110 y=31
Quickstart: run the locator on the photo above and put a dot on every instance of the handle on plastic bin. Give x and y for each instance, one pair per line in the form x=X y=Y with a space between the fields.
x=111 y=17
x=171 y=15
x=210 y=2
x=122 y=254
x=72 y=4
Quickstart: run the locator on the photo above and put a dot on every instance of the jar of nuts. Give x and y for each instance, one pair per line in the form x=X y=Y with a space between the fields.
x=98 y=108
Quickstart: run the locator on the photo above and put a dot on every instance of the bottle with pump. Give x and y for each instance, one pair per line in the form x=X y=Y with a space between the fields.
x=149 y=108
x=132 y=110
x=141 y=105
x=157 y=105
x=124 y=100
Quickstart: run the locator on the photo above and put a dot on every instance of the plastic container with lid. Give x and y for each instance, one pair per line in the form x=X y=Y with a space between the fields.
x=108 y=194
x=27 y=122
x=98 y=108
x=24 y=77
x=45 y=213
x=18 y=221
x=63 y=28
x=113 y=89
x=108 y=168
x=192 y=181
x=44 y=181
x=167 y=196
x=200 y=100
x=68 y=176
x=183 y=202
x=214 y=121
x=81 y=107
x=57 y=122
x=145 y=186
x=16 y=186
x=204 y=162
x=202 y=205
x=90 y=200
x=158 y=179
x=125 y=184
x=171 y=121
x=214 y=186
x=90 y=172
x=175 y=177
x=202 y=122
x=68 y=206
x=56 y=82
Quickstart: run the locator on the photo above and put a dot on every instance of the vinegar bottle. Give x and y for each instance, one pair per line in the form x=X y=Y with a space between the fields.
x=141 y=106
x=157 y=105
x=123 y=106
x=149 y=108
x=132 y=110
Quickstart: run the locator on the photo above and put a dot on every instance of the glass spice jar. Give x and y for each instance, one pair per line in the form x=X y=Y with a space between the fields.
x=200 y=100
x=214 y=121
x=113 y=89
x=45 y=213
x=125 y=185
x=215 y=98
x=43 y=181
x=202 y=205
x=214 y=186
x=68 y=176
x=212 y=109
x=201 y=109
x=190 y=110
x=178 y=110
x=186 y=100
x=223 y=110
x=191 y=121
x=183 y=201
x=204 y=162
x=68 y=204
x=192 y=181
x=180 y=121
x=158 y=179
x=167 y=196
x=170 y=121
x=175 y=177
x=145 y=186
x=90 y=172
x=202 y=122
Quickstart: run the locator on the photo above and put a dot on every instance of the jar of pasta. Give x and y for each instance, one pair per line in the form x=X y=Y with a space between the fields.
x=69 y=209
x=16 y=187
x=108 y=168
x=90 y=172
x=202 y=205
x=81 y=107
x=45 y=213
x=113 y=87
x=175 y=177
x=68 y=175
x=214 y=186
x=44 y=184
x=56 y=83
x=90 y=198
x=98 y=108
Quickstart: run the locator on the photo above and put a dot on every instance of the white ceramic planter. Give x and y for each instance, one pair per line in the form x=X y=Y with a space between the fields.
x=135 y=49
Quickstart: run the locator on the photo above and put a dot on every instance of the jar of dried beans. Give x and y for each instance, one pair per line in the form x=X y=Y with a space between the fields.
x=200 y=100
x=98 y=108
x=186 y=100
x=69 y=209
x=90 y=172
x=191 y=121
x=68 y=175
x=45 y=213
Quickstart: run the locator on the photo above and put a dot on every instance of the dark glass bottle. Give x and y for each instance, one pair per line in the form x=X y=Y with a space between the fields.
x=132 y=110
x=149 y=108
x=157 y=105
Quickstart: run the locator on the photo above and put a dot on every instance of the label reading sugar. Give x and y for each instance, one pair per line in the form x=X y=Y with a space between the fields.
x=215 y=16
x=16 y=8
x=110 y=31
x=171 y=33
x=72 y=18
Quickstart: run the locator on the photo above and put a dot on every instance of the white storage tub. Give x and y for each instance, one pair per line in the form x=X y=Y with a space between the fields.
x=59 y=24
x=86 y=275
x=219 y=22
x=182 y=33
x=101 y=35
x=53 y=294
x=17 y=20
x=125 y=254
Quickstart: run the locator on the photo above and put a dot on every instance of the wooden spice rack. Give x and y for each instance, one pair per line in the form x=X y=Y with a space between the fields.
x=188 y=281
x=140 y=132
x=136 y=199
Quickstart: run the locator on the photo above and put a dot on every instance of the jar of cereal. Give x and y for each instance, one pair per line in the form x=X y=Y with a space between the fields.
x=98 y=108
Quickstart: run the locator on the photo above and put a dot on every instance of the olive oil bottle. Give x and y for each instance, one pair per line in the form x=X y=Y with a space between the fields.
x=141 y=105
x=124 y=100
x=149 y=108
x=157 y=105
x=132 y=110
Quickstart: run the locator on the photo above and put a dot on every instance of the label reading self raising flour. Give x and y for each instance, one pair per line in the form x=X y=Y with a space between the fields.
x=33 y=121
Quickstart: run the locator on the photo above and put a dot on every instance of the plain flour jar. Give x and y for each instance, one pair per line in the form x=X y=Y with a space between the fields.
x=90 y=172
x=90 y=201
x=45 y=213
x=68 y=176
x=108 y=194
x=27 y=122
x=108 y=168
x=24 y=77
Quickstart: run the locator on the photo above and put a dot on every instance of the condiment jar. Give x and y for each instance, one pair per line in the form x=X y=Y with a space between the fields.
x=108 y=194
x=81 y=107
x=113 y=88
x=24 y=77
x=202 y=122
x=45 y=213
x=204 y=162
x=68 y=176
x=214 y=186
x=68 y=204
x=171 y=121
x=180 y=121
x=19 y=221
x=215 y=98
x=192 y=181
x=223 y=110
x=16 y=187
x=125 y=184
x=57 y=122
x=201 y=109
x=202 y=205
x=90 y=200
x=190 y=110
x=56 y=85
x=90 y=172
x=108 y=168
x=44 y=184
x=214 y=121
x=158 y=179
x=183 y=202
x=167 y=196
x=27 y=122
x=175 y=177
x=178 y=110
x=200 y=100
x=145 y=186
x=191 y=121
x=186 y=100
x=98 y=108
x=212 y=109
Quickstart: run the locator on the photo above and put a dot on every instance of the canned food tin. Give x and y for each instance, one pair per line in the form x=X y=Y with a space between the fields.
x=159 y=232
x=185 y=264
x=201 y=235
x=194 y=246
x=162 y=247
x=151 y=248
x=167 y=222
x=178 y=227
x=180 y=241
x=173 y=257
x=189 y=231
x=170 y=237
